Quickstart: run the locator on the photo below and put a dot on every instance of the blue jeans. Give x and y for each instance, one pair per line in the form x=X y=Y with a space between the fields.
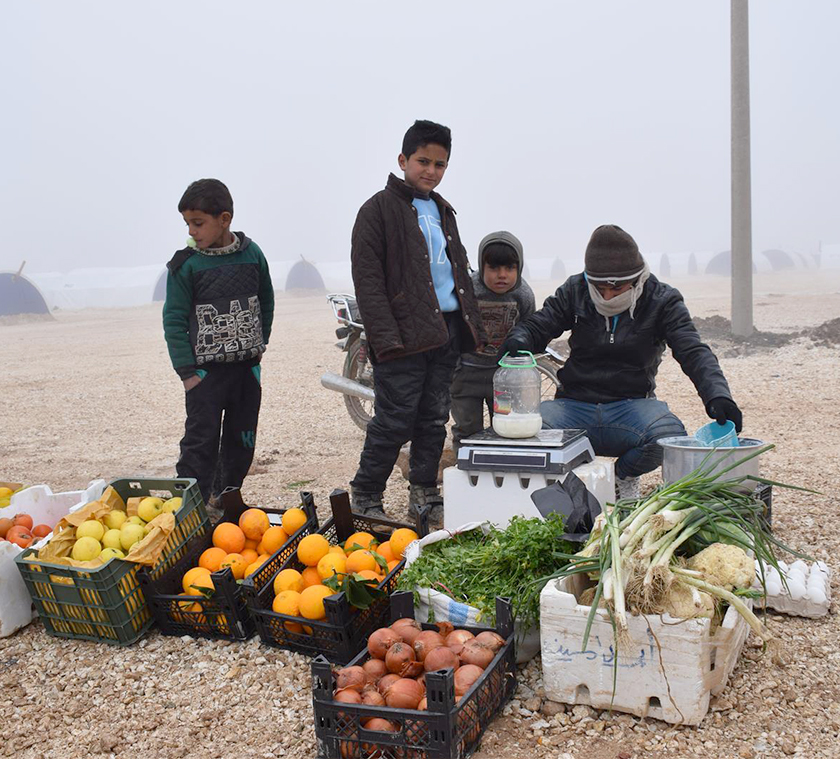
x=625 y=429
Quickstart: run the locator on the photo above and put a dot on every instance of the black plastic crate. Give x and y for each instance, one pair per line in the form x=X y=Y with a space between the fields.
x=446 y=730
x=225 y=615
x=107 y=604
x=345 y=630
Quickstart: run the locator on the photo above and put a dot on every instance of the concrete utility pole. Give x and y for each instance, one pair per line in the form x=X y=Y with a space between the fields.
x=742 y=289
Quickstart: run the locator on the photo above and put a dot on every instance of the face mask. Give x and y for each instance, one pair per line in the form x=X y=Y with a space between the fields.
x=620 y=303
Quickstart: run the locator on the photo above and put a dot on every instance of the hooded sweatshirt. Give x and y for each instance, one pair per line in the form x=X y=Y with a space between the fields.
x=499 y=312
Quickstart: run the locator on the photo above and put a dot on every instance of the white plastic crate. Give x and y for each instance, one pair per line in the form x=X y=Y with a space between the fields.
x=496 y=496
x=45 y=507
x=670 y=672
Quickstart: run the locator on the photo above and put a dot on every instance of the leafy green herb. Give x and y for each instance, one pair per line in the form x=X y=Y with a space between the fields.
x=474 y=567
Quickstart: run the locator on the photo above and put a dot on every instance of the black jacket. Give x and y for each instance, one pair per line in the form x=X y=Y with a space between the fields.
x=618 y=361
x=391 y=274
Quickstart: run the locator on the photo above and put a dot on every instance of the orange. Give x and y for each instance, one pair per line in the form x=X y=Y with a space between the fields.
x=392 y=564
x=288 y=579
x=253 y=567
x=359 y=560
x=288 y=602
x=195 y=576
x=400 y=539
x=228 y=537
x=337 y=549
x=311 y=549
x=293 y=520
x=249 y=554
x=199 y=584
x=358 y=540
x=236 y=563
x=312 y=601
x=252 y=544
x=273 y=540
x=254 y=522
x=369 y=574
x=212 y=558
x=310 y=577
x=263 y=558
x=331 y=564
x=384 y=550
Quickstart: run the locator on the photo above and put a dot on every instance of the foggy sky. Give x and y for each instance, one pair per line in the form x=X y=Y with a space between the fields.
x=565 y=115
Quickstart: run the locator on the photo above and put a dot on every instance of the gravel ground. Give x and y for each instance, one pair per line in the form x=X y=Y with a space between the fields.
x=90 y=394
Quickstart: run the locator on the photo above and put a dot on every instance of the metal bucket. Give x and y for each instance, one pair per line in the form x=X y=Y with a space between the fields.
x=682 y=455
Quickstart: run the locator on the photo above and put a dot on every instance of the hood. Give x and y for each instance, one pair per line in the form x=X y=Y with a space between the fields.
x=509 y=239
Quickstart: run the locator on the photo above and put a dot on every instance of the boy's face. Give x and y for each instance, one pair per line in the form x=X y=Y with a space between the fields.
x=425 y=167
x=208 y=231
x=499 y=279
x=609 y=291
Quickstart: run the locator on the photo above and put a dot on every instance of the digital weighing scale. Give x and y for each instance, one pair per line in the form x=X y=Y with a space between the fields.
x=548 y=452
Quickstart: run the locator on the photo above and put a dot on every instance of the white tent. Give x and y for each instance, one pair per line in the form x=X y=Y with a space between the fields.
x=107 y=287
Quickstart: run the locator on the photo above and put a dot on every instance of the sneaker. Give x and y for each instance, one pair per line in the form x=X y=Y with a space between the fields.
x=628 y=488
x=367 y=504
x=421 y=497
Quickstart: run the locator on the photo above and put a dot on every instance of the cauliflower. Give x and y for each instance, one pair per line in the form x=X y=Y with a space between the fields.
x=683 y=602
x=727 y=566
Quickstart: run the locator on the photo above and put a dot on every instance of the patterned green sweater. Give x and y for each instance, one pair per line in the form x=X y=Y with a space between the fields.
x=218 y=308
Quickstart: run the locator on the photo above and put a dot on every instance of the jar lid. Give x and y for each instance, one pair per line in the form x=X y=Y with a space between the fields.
x=521 y=361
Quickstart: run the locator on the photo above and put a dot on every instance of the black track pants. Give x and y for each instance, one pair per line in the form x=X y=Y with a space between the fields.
x=218 y=452
x=412 y=403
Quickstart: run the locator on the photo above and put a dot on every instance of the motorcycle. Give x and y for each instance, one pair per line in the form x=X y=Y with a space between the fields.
x=356 y=380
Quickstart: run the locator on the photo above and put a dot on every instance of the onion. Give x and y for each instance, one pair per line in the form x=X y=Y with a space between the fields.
x=351 y=677
x=374 y=669
x=441 y=658
x=373 y=697
x=380 y=641
x=465 y=678
x=408 y=629
x=489 y=638
x=405 y=693
x=444 y=628
x=386 y=682
x=381 y=725
x=422 y=706
x=456 y=639
x=347 y=696
x=398 y=656
x=476 y=653
x=425 y=642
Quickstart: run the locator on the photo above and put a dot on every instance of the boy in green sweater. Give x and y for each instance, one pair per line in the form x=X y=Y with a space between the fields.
x=217 y=320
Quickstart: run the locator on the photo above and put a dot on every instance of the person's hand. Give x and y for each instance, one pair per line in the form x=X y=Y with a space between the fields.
x=513 y=345
x=723 y=409
x=191 y=382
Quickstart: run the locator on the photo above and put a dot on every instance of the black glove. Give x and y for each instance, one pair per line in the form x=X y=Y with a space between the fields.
x=721 y=409
x=513 y=345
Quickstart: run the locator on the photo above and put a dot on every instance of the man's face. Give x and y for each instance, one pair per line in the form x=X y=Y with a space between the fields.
x=208 y=231
x=609 y=291
x=499 y=279
x=425 y=167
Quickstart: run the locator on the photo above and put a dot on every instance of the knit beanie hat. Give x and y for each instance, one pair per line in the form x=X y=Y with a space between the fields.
x=612 y=254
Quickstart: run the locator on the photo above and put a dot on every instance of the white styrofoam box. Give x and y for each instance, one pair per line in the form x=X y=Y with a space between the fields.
x=670 y=672
x=45 y=507
x=443 y=608
x=806 y=592
x=497 y=496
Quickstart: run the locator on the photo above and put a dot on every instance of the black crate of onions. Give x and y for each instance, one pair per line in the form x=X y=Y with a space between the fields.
x=419 y=691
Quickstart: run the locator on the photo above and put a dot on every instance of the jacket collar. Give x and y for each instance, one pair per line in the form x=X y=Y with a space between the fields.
x=404 y=191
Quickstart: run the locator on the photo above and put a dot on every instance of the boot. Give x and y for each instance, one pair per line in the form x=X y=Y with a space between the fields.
x=367 y=504
x=419 y=497
x=628 y=488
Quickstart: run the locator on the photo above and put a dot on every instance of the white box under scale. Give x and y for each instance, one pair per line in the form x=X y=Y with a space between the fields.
x=496 y=496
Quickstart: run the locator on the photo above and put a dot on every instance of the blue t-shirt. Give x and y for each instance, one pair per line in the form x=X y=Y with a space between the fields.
x=428 y=216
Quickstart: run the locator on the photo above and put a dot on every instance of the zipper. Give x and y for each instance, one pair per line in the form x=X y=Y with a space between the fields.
x=612 y=331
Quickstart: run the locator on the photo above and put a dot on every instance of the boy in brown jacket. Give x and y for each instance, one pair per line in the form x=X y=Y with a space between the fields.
x=416 y=300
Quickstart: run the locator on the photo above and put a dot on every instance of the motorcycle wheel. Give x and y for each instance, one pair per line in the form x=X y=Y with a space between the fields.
x=360 y=410
x=547 y=367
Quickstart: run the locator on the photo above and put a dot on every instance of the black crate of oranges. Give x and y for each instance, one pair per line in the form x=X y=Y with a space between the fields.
x=297 y=611
x=202 y=594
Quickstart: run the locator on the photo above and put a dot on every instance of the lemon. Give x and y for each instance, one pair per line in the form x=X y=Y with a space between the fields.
x=86 y=549
x=149 y=508
x=114 y=519
x=173 y=504
x=90 y=529
x=111 y=539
